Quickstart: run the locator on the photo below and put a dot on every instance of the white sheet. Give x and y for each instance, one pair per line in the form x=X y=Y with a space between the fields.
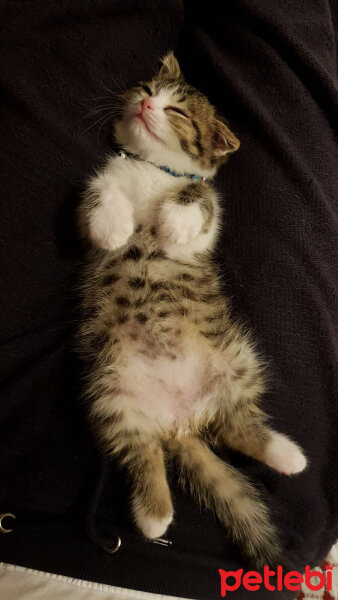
x=19 y=583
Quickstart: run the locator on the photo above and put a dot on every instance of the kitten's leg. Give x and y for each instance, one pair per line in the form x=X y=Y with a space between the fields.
x=246 y=431
x=143 y=458
x=106 y=215
x=235 y=501
x=243 y=425
x=151 y=502
x=186 y=213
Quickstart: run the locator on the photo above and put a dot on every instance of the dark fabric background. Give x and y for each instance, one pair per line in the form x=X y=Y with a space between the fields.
x=271 y=68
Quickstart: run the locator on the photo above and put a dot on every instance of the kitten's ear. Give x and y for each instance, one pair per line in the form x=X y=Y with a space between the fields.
x=170 y=67
x=224 y=141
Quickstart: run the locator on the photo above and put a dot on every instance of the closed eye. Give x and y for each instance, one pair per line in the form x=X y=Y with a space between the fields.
x=179 y=111
x=147 y=89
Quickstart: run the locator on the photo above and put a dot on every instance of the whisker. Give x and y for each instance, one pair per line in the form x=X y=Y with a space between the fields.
x=108 y=97
x=111 y=102
x=111 y=91
x=118 y=84
x=111 y=106
x=99 y=131
x=112 y=109
x=95 y=122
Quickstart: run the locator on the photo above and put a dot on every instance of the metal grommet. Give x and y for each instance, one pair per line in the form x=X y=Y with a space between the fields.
x=2 y=517
x=114 y=548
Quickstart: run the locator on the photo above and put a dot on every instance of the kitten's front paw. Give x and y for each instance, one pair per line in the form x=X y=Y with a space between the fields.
x=110 y=226
x=179 y=224
x=284 y=455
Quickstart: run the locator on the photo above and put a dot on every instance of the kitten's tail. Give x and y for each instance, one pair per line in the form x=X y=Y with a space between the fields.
x=235 y=501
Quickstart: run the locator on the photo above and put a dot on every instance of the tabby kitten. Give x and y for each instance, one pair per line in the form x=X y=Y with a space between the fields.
x=169 y=373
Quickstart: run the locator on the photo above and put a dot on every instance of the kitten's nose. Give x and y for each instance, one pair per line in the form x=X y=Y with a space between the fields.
x=146 y=104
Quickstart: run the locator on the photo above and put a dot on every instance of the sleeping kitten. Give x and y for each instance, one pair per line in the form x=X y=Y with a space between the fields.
x=169 y=373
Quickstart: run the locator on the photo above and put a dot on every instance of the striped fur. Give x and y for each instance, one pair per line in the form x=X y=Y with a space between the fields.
x=169 y=374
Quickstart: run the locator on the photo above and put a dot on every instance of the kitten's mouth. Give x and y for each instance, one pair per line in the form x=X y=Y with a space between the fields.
x=140 y=118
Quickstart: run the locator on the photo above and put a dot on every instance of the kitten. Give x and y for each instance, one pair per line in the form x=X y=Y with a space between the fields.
x=169 y=373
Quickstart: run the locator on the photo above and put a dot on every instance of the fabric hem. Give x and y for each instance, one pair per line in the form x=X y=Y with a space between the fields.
x=90 y=585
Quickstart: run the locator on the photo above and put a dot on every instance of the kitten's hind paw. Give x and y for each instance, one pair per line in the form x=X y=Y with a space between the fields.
x=150 y=525
x=153 y=527
x=284 y=455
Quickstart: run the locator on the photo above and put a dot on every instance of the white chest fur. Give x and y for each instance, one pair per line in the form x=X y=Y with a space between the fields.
x=133 y=192
x=142 y=183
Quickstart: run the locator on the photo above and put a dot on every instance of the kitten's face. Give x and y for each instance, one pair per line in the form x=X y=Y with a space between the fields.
x=168 y=122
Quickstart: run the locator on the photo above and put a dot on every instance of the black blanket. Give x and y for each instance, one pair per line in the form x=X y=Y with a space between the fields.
x=270 y=67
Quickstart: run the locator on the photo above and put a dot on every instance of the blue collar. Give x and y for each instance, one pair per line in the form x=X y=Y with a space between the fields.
x=175 y=174
x=124 y=154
